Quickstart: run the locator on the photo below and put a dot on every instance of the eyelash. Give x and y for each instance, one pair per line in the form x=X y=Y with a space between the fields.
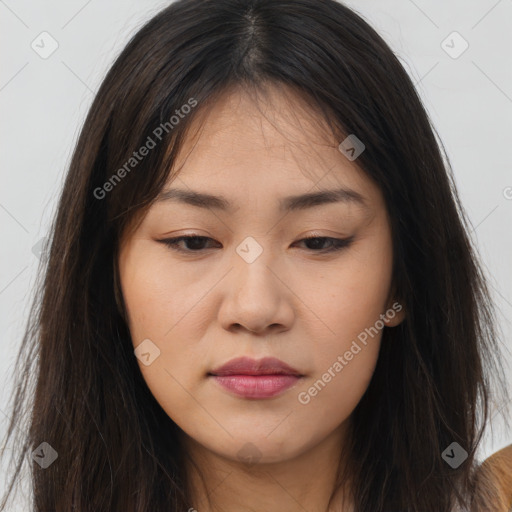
x=338 y=244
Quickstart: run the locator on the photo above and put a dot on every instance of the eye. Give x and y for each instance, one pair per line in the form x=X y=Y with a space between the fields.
x=336 y=244
x=316 y=243
x=195 y=241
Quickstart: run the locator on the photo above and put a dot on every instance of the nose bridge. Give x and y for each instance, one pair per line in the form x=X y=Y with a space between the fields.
x=253 y=268
x=254 y=298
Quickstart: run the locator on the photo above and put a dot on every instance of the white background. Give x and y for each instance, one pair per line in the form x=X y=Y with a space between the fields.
x=44 y=102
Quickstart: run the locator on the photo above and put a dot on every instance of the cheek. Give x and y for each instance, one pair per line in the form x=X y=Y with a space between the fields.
x=157 y=295
x=347 y=341
x=163 y=306
x=350 y=298
x=343 y=370
x=344 y=360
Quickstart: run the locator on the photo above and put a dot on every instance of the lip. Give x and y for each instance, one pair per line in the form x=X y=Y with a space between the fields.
x=251 y=378
x=256 y=386
x=248 y=366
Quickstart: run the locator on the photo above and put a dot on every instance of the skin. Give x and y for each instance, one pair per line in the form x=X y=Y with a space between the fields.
x=306 y=308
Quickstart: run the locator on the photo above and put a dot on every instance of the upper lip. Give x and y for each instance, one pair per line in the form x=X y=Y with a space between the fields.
x=248 y=366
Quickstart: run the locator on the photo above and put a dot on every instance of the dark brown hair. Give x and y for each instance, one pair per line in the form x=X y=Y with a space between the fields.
x=79 y=387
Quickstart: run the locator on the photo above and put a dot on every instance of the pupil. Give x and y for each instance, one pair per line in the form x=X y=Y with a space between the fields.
x=194 y=241
x=316 y=242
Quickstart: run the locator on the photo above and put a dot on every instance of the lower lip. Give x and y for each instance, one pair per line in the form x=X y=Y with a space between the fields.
x=256 y=386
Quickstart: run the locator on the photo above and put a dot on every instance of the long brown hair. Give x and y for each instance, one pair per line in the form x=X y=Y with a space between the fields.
x=79 y=387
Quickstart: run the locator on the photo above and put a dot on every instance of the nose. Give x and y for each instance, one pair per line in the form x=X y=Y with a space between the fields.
x=256 y=297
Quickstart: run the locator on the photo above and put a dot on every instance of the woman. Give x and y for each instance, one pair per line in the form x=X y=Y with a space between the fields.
x=260 y=292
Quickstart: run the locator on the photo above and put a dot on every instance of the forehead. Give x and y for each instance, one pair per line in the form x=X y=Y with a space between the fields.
x=256 y=149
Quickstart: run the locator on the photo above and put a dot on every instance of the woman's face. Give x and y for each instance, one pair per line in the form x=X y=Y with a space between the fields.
x=253 y=287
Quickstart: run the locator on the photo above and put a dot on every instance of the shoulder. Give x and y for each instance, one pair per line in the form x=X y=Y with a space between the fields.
x=494 y=480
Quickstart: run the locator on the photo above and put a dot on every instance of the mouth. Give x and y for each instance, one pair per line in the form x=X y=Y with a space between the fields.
x=248 y=366
x=256 y=386
x=256 y=379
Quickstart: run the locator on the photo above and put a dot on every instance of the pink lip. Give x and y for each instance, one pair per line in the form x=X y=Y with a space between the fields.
x=251 y=378
x=256 y=386
x=248 y=366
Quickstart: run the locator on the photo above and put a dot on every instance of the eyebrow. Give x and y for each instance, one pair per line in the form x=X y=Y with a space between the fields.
x=286 y=204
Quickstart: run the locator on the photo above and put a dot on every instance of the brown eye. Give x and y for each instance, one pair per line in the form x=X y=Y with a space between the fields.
x=195 y=243
x=317 y=243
